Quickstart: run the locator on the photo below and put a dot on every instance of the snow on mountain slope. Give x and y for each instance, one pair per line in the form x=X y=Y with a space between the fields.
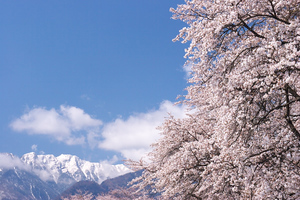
x=70 y=168
x=18 y=184
x=42 y=177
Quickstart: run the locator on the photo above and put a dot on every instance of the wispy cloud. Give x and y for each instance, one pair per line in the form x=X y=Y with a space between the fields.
x=8 y=161
x=34 y=147
x=187 y=68
x=68 y=124
x=85 y=97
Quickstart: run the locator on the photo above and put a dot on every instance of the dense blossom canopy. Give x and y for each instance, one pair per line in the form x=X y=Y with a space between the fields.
x=242 y=140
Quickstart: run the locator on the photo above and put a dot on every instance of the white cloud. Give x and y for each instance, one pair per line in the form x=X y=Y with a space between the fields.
x=66 y=124
x=85 y=97
x=42 y=152
x=133 y=136
x=8 y=161
x=93 y=139
x=187 y=68
x=44 y=175
x=34 y=147
x=112 y=161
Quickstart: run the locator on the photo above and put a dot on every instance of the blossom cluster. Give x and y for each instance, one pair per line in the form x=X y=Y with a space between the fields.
x=242 y=141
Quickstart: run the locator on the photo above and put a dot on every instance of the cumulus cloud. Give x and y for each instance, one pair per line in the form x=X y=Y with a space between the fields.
x=68 y=124
x=133 y=136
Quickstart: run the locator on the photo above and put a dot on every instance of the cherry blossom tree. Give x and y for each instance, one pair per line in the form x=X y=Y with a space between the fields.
x=242 y=140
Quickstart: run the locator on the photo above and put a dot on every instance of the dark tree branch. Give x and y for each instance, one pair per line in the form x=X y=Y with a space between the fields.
x=288 y=119
x=250 y=29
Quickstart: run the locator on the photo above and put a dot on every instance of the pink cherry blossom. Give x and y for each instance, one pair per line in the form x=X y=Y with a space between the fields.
x=242 y=141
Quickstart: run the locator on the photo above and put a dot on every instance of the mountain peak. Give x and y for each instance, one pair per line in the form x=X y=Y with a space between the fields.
x=66 y=156
x=31 y=155
x=43 y=176
x=62 y=170
x=72 y=168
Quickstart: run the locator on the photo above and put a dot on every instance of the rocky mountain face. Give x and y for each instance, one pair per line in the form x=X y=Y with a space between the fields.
x=117 y=188
x=46 y=176
x=99 y=189
x=20 y=184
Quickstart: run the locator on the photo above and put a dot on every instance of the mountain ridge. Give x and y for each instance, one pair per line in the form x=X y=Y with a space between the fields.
x=90 y=187
x=49 y=175
x=72 y=166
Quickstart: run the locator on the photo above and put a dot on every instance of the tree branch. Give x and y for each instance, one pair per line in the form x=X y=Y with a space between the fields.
x=250 y=29
x=288 y=119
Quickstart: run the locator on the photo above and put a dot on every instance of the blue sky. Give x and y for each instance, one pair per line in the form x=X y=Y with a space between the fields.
x=89 y=78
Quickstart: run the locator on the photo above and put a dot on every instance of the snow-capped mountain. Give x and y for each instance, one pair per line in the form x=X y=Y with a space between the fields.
x=45 y=176
x=69 y=168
